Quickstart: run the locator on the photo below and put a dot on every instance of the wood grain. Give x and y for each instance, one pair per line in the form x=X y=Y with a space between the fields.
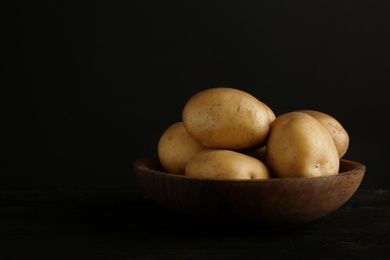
x=266 y=204
x=122 y=224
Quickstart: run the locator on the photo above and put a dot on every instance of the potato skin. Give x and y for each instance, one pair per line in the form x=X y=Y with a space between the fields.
x=226 y=118
x=300 y=146
x=339 y=134
x=258 y=153
x=270 y=112
x=226 y=164
x=176 y=148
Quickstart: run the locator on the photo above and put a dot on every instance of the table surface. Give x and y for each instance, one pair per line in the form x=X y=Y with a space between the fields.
x=123 y=224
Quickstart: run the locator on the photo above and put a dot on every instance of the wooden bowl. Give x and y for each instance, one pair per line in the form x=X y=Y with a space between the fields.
x=271 y=204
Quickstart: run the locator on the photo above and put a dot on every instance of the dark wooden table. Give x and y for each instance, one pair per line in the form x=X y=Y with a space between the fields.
x=122 y=224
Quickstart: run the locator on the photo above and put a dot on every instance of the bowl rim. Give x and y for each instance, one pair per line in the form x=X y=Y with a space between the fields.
x=355 y=167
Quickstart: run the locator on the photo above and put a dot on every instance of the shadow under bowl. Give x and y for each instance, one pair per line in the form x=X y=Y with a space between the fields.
x=271 y=204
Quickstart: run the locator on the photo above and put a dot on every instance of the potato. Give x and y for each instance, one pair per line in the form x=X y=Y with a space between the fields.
x=226 y=118
x=270 y=112
x=336 y=130
x=258 y=153
x=225 y=164
x=176 y=148
x=300 y=146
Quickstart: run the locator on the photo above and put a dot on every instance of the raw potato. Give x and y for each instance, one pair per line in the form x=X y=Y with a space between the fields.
x=258 y=153
x=176 y=148
x=226 y=118
x=337 y=131
x=271 y=113
x=300 y=146
x=226 y=164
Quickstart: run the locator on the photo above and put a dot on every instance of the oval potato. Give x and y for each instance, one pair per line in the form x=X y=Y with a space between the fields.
x=258 y=153
x=336 y=130
x=176 y=148
x=226 y=118
x=300 y=146
x=270 y=112
x=226 y=164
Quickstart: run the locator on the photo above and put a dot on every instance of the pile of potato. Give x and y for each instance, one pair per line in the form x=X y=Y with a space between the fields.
x=227 y=133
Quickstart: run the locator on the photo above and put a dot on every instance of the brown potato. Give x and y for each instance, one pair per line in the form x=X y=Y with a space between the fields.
x=337 y=131
x=270 y=112
x=176 y=148
x=300 y=146
x=226 y=118
x=226 y=164
x=258 y=153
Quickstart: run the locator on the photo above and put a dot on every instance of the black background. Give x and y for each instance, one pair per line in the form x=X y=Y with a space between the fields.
x=90 y=86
